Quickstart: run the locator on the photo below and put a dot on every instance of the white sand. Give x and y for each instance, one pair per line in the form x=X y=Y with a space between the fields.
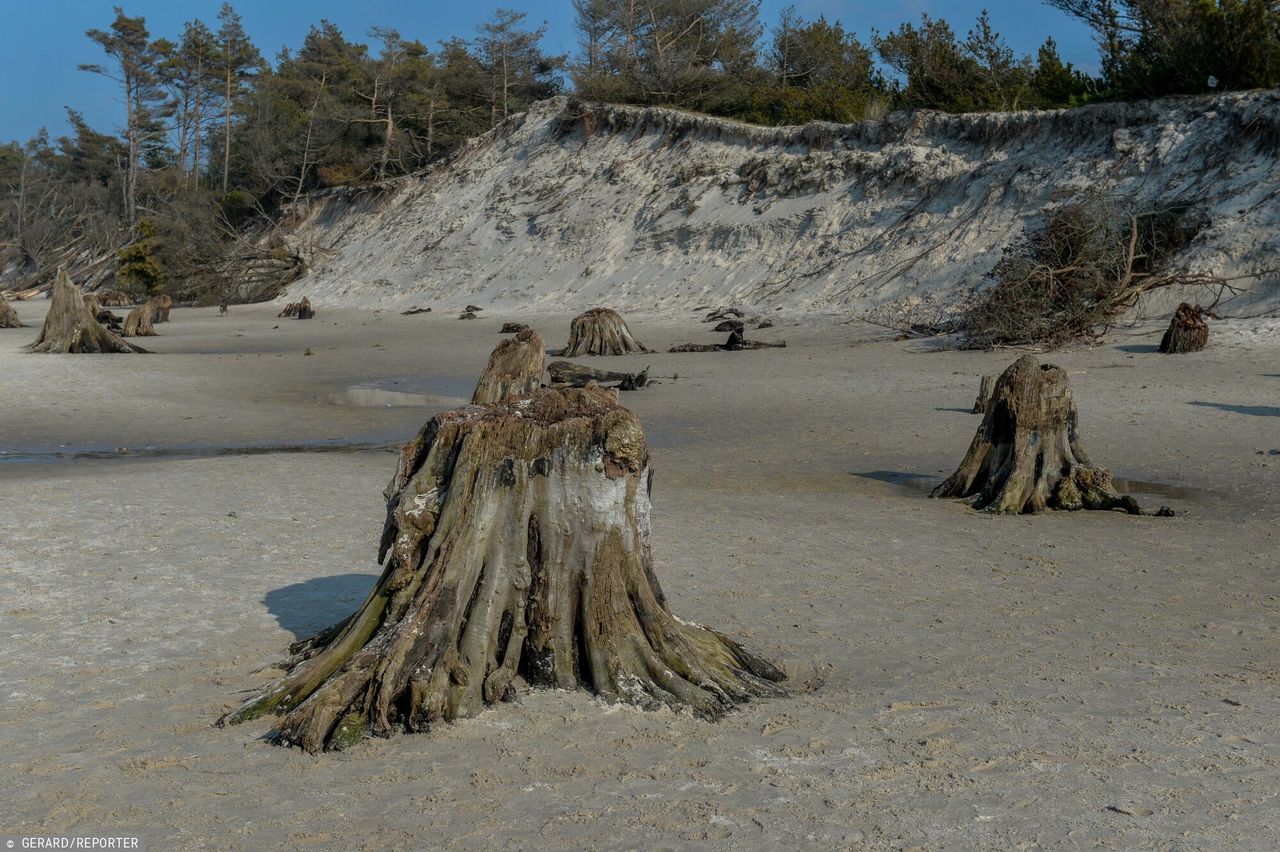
x=1061 y=681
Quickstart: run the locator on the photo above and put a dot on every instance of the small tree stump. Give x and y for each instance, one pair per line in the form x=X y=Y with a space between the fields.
x=298 y=310
x=472 y=309
x=515 y=367
x=1188 y=331
x=516 y=544
x=512 y=328
x=1027 y=455
x=600 y=331
x=566 y=374
x=69 y=327
x=986 y=387
x=162 y=303
x=113 y=298
x=138 y=322
x=8 y=316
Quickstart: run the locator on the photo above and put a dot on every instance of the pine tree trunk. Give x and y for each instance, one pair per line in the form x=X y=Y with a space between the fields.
x=516 y=545
x=69 y=327
x=1027 y=455
x=600 y=331
x=515 y=367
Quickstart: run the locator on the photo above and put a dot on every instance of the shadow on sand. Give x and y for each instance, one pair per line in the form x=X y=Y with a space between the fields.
x=305 y=609
x=1139 y=347
x=1253 y=410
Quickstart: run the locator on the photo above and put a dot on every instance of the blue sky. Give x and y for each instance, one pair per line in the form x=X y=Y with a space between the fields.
x=42 y=41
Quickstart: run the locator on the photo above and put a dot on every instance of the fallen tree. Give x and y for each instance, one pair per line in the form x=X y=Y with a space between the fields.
x=600 y=331
x=1027 y=455
x=1188 y=331
x=735 y=343
x=516 y=545
x=566 y=374
x=8 y=316
x=69 y=327
x=515 y=367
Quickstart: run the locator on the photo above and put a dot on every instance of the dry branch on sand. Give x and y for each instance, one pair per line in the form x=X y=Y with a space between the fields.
x=515 y=367
x=1188 y=331
x=566 y=374
x=8 y=316
x=600 y=331
x=69 y=327
x=298 y=310
x=1027 y=455
x=516 y=545
x=138 y=322
x=735 y=343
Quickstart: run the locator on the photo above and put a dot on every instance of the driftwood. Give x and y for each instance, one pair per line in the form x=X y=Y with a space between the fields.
x=472 y=309
x=722 y=314
x=735 y=343
x=298 y=310
x=415 y=310
x=600 y=331
x=138 y=322
x=512 y=328
x=163 y=304
x=8 y=316
x=515 y=367
x=516 y=545
x=986 y=387
x=566 y=374
x=69 y=327
x=1188 y=331
x=1027 y=454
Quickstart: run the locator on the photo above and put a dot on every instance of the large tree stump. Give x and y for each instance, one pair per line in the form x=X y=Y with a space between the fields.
x=516 y=545
x=163 y=304
x=600 y=331
x=1027 y=455
x=70 y=327
x=1188 y=332
x=138 y=322
x=8 y=316
x=515 y=367
x=566 y=374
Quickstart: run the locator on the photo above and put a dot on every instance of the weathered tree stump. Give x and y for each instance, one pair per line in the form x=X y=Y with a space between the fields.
x=472 y=309
x=138 y=322
x=298 y=310
x=515 y=367
x=69 y=326
x=162 y=303
x=1027 y=455
x=516 y=545
x=102 y=315
x=113 y=298
x=986 y=387
x=600 y=331
x=1188 y=331
x=735 y=343
x=8 y=316
x=566 y=374
x=731 y=325
x=512 y=328
x=467 y=315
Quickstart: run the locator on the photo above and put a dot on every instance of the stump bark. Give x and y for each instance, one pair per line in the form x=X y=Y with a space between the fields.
x=8 y=316
x=600 y=331
x=1188 y=331
x=566 y=374
x=70 y=327
x=516 y=545
x=162 y=305
x=138 y=322
x=986 y=387
x=298 y=310
x=515 y=367
x=1027 y=455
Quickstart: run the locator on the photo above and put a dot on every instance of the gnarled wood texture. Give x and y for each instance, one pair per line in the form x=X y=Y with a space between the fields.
x=69 y=327
x=515 y=367
x=8 y=316
x=138 y=322
x=566 y=374
x=162 y=303
x=600 y=331
x=1027 y=455
x=1188 y=331
x=516 y=545
x=986 y=387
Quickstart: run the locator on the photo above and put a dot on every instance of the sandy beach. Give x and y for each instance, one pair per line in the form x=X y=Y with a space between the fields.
x=173 y=521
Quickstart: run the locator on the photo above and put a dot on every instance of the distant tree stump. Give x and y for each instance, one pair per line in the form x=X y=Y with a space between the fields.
x=512 y=328
x=736 y=343
x=986 y=387
x=298 y=310
x=600 y=331
x=467 y=315
x=516 y=545
x=69 y=327
x=515 y=367
x=163 y=304
x=1188 y=331
x=8 y=316
x=113 y=298
x=566 y=374
x=138 y=322
x=1027 y=455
